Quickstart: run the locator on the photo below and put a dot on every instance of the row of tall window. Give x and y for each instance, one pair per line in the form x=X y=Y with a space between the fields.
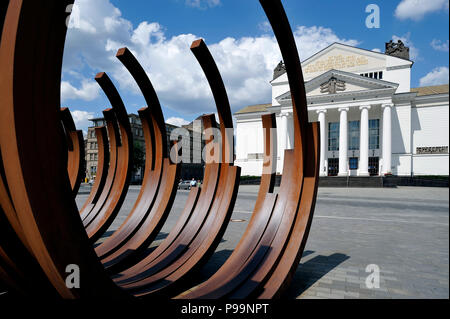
x=138 y=132
x=92 y=157
x=135 y=120
x=99 y=122
x=354 y=135
x=373 y=75
x=92 y=146
x=91 y=134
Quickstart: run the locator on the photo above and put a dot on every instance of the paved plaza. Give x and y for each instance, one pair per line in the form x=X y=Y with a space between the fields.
x=404 y=231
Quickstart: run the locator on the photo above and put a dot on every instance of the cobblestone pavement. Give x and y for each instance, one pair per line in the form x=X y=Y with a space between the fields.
x=404 y=231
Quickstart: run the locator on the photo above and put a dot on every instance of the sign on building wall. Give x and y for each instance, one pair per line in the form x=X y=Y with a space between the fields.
x=337 y=62
x=432 y=150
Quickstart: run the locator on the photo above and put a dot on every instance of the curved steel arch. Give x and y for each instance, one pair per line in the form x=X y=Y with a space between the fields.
x=102 y=170
x=97 y=224
x=76 y=162
x=39 y=215
x=128 y=244
x=33 y=35
x=229 y=275
x=202 y=233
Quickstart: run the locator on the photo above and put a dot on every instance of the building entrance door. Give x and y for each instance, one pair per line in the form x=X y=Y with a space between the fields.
x=333 y=166
x=374 y=166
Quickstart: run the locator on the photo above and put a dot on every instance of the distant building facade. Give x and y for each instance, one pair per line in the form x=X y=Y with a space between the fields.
x=189 y=169
x=372 y=123
x=192 y=161
x=92 y=145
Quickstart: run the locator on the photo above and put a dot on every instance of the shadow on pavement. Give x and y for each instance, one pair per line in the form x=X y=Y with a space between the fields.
x=311 y=271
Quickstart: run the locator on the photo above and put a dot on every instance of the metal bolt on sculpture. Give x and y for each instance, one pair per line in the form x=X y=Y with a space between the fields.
x=42 y=162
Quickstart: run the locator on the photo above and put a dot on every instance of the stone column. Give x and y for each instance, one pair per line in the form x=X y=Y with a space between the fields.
x=364 y=141
x=323 y=142
x=387 y=139
x=343 y=142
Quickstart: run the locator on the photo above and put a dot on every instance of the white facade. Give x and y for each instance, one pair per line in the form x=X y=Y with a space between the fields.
x=372 y=122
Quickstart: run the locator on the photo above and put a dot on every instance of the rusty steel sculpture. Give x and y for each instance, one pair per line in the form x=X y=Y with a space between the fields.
x=42 y=163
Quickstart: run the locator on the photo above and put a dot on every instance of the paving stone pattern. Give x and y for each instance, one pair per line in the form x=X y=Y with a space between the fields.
x=404 y=231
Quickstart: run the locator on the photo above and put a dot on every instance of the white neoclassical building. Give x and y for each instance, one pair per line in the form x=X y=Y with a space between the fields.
x=372 y=122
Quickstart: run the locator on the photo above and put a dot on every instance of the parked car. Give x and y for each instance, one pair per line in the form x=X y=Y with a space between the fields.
x=184 y=185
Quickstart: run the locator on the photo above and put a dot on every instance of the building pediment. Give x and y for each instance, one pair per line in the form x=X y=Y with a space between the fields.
x=350 y=59
x=343 y=57
x=335 y=83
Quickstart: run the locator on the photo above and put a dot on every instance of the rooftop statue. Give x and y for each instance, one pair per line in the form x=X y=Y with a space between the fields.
x=397 y=49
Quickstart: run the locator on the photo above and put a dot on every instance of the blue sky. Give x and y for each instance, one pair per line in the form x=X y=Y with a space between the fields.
x=159 y=34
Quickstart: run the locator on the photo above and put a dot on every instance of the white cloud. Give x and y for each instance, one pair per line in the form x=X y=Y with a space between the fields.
x=414 y=53
x=439 y=45
x=376 y=50
x=89 y=91
x=311 y=40
x=81 y=119
x=87 y=46
x=437 y=76
x=177 y=121
x=417 y=9
x=265 y=26
x=246 y=64
x=203 y=3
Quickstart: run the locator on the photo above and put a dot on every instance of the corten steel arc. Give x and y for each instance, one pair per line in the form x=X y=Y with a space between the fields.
x=41 y=230
x=155 y=152
x=18 y=268
x=35 y=170
x=16 y=262
x=288 y=228
x=270 y=266
x=68 y=126
x=194 y=247
x=143 y=239
x=128 y=244
x=190 y=221
x=281 y=275
x=298 y=201
x=102 y=170
x=222 y=280
x=100 y=218
x=76 y=162
x=90 y=211
x=192 y=218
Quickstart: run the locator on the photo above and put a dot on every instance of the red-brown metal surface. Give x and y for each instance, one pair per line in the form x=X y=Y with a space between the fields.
x=166 y=274
x=76 y=161
x=91 y=211
x=33 y=147
x=149 y=191
x=96 y=227
x=41 y=231
x=169 y=250
x=102 y=170
x=266 y=261
x=128 y=244
x=281 y=275
x=273 y=261
x=20 y=271
x=227 y=277
x=154 y=141
x=193 y=213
